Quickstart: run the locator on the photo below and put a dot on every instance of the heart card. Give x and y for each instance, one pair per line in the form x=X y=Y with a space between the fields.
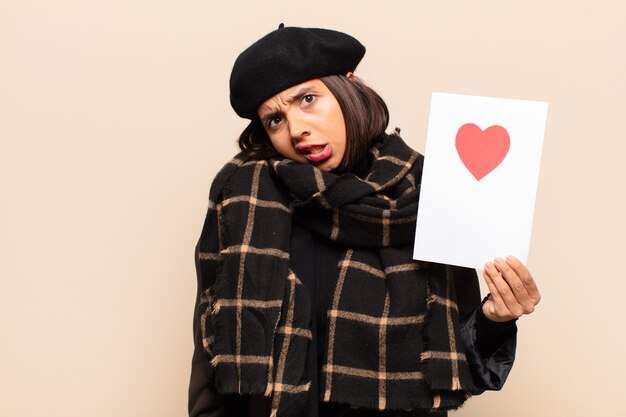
x=479 y=180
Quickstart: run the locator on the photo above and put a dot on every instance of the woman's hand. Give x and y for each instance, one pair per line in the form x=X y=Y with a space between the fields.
x=513 y=290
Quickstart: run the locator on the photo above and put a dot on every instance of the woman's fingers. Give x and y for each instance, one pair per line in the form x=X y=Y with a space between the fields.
x=518 y=299
x=497 y=306
x=526 y=278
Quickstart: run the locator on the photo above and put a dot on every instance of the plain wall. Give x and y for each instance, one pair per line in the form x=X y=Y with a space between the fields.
x=114 y=118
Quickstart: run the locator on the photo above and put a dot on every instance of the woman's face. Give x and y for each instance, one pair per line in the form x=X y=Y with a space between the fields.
x=305 y=124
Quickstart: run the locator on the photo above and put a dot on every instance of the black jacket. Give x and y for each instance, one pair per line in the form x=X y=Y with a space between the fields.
x=490 y=347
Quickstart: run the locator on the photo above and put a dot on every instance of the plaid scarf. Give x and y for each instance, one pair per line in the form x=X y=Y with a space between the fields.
x=392 y=323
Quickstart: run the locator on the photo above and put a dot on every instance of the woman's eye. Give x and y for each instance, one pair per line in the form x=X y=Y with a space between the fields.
x=308 y=98
x=274 y=121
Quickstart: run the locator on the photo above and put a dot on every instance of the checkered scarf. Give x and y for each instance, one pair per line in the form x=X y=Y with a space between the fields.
x=392 y=323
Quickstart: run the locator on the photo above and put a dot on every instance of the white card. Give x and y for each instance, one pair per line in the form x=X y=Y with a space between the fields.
x=479 y=181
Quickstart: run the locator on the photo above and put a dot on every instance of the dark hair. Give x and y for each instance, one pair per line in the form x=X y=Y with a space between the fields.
x=364 y=112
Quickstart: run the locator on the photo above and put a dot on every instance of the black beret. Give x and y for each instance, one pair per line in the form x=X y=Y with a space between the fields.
x=286 y=57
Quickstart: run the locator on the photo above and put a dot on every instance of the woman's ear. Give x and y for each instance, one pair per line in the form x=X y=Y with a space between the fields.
x=349 y=75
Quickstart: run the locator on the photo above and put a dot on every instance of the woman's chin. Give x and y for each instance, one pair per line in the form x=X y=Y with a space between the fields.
x=327 y=166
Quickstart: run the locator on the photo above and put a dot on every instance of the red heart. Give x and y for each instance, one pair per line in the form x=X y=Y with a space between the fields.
x=482 y=151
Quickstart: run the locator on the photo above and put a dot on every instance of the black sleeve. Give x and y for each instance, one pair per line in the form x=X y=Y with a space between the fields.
x=489 y=346
x=204 y=401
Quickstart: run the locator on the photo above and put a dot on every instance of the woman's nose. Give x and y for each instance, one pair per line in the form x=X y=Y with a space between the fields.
x=298 y=127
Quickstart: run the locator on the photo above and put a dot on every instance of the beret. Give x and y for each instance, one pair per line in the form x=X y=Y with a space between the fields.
x=286 y=57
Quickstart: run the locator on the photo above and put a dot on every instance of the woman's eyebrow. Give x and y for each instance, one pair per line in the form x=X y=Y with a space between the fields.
x=269 y=116
x=275 y=112
x=270 y=111
x=300 y=93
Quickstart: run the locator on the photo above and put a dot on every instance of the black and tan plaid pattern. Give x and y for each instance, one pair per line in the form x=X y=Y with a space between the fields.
x=392 y=323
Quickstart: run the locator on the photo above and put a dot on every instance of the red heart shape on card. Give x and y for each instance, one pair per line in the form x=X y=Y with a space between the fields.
x=482 y=151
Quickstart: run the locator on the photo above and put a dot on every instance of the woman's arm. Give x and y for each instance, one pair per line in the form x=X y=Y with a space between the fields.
x=489 y=349
x=488 y=330
x=489 y=346
x=204 y=401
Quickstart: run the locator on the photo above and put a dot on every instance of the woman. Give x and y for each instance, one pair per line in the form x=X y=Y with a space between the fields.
x=309 y=302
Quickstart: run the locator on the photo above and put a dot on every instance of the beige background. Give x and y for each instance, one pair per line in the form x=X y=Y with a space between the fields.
x=114 y=117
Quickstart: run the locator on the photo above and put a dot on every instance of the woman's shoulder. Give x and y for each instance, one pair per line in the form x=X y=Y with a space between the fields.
x=237 y=169
x=398 y=145
x=231 y=166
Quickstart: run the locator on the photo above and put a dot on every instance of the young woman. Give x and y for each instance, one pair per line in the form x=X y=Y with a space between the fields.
x=309 y=302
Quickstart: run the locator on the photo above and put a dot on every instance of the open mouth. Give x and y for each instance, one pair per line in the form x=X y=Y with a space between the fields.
x=316 y=153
